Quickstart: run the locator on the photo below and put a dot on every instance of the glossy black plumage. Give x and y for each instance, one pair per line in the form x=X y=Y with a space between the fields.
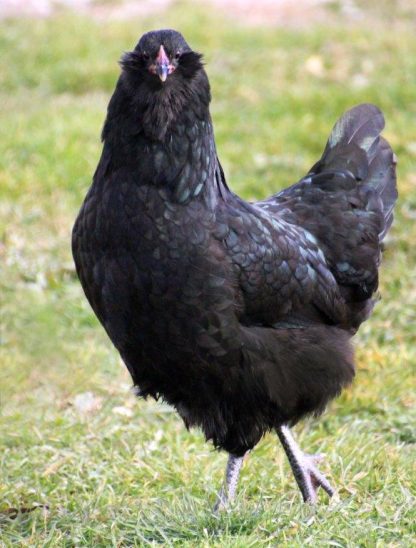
x=239 y=315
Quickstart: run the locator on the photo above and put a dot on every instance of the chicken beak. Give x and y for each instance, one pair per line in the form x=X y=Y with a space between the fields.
x=162 y=64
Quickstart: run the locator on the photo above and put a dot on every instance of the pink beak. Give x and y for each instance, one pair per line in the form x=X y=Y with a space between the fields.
x=163 y=66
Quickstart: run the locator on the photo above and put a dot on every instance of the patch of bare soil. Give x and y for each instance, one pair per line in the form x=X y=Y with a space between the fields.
x=298 y=13
x=100 y=10
x=259 y=12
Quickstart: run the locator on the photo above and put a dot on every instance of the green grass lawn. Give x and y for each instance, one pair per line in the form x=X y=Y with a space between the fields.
x=113 y=471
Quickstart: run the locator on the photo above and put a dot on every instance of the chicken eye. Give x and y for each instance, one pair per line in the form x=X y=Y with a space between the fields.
x=145 y=56
x=177 y=54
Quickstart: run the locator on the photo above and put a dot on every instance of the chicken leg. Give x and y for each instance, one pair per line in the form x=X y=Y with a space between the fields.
x=232 y=473
x=307 y=476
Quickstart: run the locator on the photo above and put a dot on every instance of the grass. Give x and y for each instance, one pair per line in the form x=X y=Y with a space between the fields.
x=95 y=466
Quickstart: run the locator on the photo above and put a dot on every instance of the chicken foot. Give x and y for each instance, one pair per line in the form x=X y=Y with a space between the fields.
x=232 y=473
x=307 y=476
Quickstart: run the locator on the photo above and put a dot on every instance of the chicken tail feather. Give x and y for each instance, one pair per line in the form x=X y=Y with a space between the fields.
x=355 y=146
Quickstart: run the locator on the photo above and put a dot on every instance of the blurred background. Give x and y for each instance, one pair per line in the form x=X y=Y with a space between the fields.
x=82 y=463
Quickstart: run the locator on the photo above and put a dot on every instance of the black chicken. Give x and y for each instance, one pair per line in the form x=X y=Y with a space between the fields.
x=238 y=314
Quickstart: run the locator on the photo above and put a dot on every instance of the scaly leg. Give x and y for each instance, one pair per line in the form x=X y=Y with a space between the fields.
x=227 y=493
x=307 y=476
